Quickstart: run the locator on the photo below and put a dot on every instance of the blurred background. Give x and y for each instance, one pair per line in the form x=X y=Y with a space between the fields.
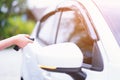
x=15 y=18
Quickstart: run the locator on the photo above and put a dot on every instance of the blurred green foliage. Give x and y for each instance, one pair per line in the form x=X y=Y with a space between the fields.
x=13 y=18
x=16 y=26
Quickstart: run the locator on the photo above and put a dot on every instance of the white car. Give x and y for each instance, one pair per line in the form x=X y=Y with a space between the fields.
x=75 y=40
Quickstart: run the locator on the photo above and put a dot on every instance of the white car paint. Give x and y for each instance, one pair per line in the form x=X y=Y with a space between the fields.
x=108 y=46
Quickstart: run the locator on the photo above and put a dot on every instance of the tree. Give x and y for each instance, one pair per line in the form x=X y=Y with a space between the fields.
x=10 y=9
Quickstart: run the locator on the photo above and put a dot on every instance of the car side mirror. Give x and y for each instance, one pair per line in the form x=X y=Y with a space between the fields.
x=62 y=57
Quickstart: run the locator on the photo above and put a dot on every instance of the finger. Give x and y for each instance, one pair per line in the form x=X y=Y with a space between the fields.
x=26 y=35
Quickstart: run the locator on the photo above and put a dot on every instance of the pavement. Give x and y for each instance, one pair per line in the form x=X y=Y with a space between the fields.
x=10 y=64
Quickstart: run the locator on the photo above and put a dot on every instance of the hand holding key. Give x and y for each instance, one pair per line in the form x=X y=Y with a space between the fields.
x=22 y=40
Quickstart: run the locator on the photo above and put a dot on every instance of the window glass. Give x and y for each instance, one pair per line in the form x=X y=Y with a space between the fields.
x=73 y=29
x=48 y=29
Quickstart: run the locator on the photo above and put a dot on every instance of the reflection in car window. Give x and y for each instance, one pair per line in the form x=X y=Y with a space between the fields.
x=48 y=29
x=73 y=29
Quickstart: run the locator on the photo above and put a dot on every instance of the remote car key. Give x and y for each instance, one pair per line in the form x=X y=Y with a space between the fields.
x=17 y=47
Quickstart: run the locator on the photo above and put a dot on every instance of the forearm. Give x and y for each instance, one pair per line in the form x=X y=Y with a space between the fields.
x=20 y=40
x=6 y=43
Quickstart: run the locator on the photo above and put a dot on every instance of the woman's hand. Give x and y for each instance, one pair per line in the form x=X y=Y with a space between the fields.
x=21 y=40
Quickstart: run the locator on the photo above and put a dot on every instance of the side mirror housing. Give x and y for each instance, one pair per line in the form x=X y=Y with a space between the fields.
x=60 y=57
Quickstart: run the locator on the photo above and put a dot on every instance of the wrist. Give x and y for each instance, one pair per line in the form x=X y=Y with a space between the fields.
x=14 y=40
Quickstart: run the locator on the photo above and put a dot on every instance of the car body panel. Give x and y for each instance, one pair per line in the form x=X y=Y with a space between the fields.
x=103 y=30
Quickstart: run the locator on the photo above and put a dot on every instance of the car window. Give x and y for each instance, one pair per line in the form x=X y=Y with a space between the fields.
x=67 y=24
x=47 y=28
x=73 y=29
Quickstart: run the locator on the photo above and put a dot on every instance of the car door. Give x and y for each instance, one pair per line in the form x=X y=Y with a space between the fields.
x=73 y=24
